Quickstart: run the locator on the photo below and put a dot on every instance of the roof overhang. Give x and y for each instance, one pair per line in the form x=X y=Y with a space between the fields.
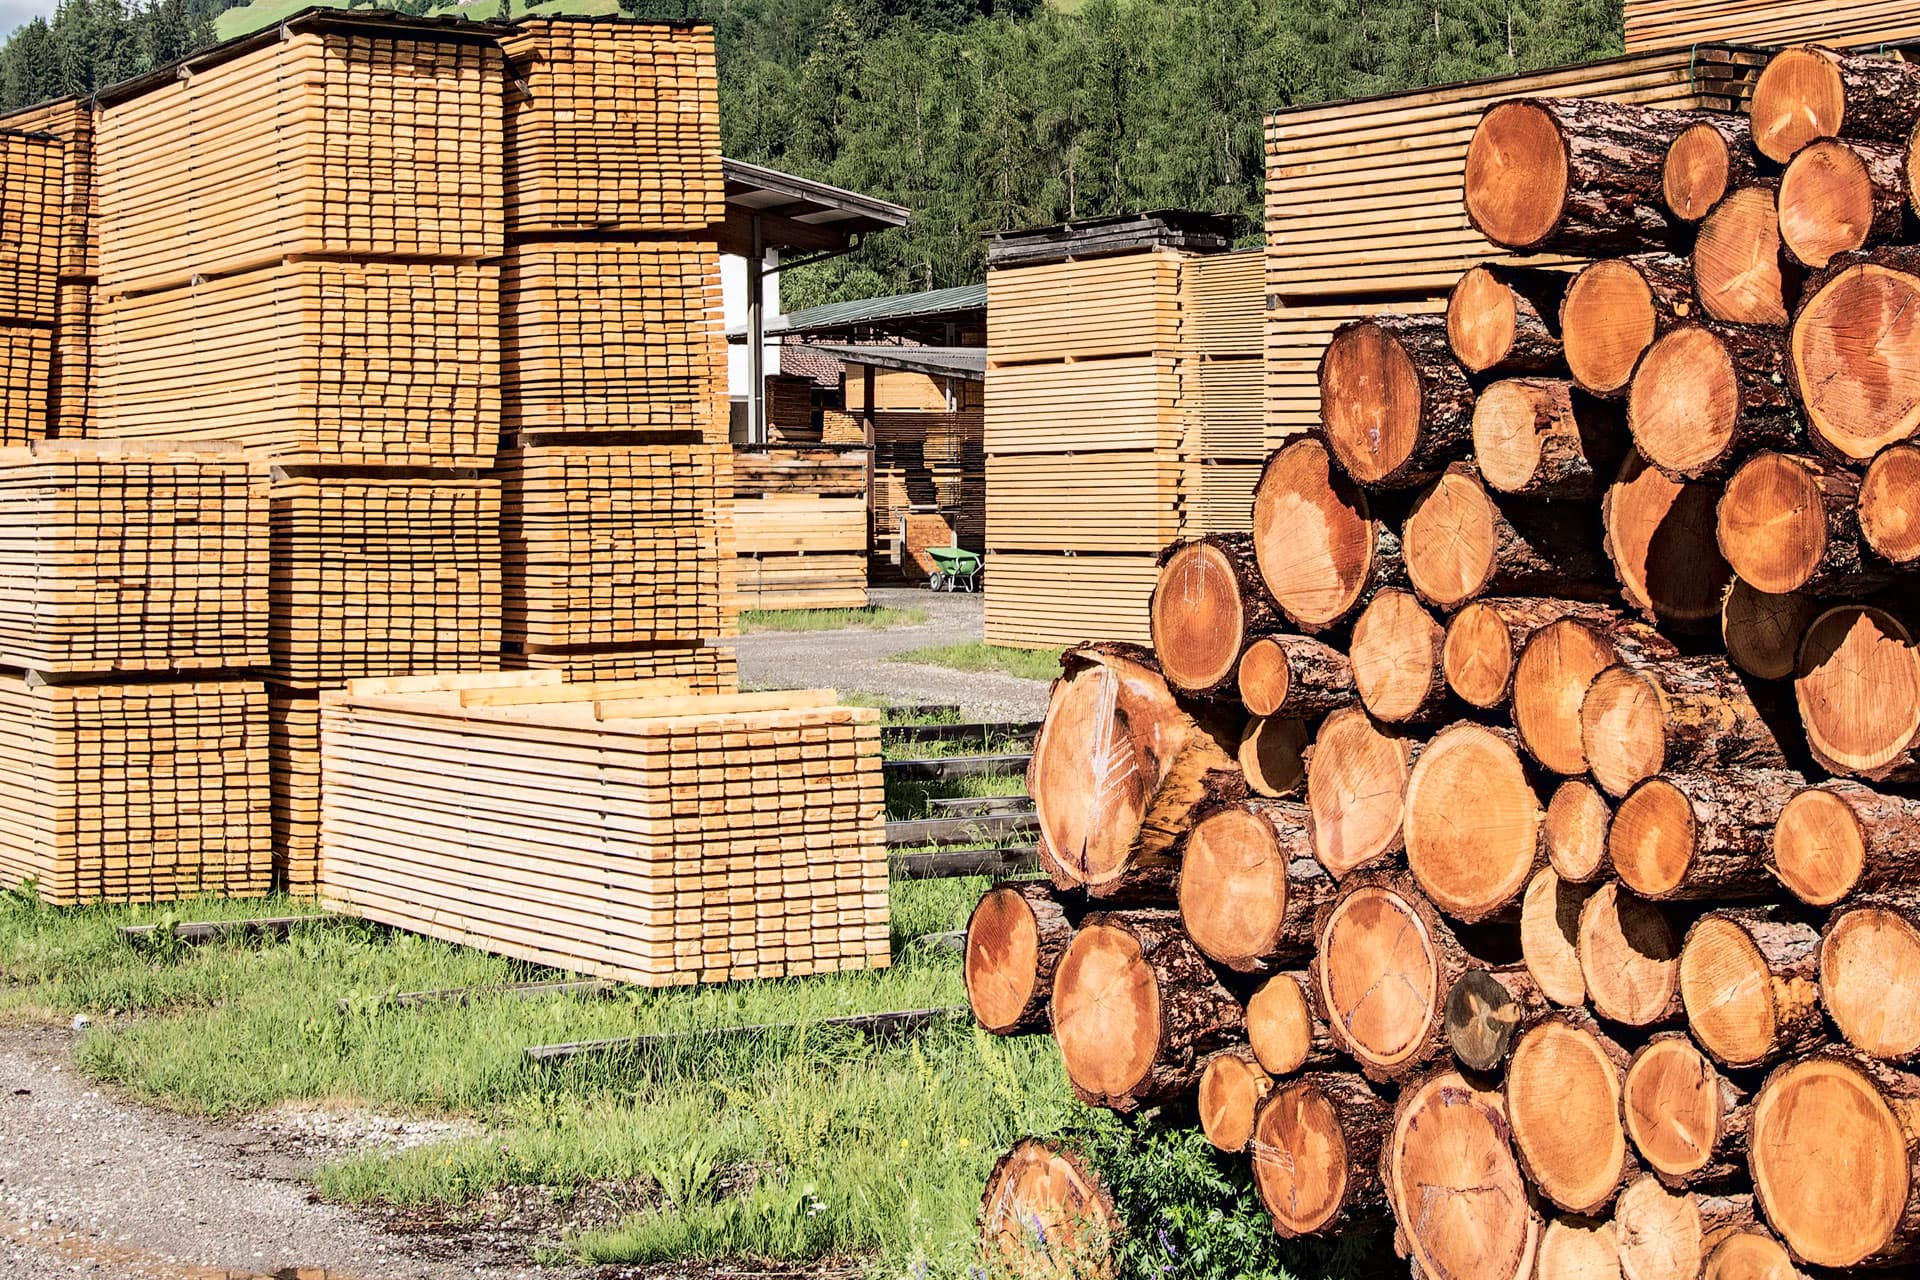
x=797 y=213
x=969 y=364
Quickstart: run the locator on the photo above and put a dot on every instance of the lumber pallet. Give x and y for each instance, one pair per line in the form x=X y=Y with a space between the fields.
x=71 y=412
x=938 y=767
x=826 y=472
x=1848 y=25
x=26 y=378
x=71 y=120
x=804 y=580
x=705 y=667
x=1047 y=600
x=30 y=225
x=1088 y=502
x=293 y=762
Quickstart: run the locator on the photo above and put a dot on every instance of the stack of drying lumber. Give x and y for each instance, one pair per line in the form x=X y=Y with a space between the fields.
x=790 y=418
x=1515 y=833
x=626 y=831
x=800 y=528
x=929 y=464
x=1849 y=24
x=71 y=121
x=30 y=176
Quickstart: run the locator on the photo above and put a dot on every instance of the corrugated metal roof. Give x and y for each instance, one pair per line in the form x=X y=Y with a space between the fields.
x=903 y=306
x=966 y=363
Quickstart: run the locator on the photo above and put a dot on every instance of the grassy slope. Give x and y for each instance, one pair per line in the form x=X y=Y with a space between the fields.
x=264 y=13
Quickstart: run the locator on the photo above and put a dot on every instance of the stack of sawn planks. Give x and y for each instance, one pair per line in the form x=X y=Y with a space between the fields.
x=1515 y=834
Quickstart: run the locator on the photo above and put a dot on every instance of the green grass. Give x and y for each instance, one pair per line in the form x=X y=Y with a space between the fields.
x=1031 y=664
x=265 y=13
x=873 y=617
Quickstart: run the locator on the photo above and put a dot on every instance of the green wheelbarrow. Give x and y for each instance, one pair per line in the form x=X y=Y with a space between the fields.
x=954 y=567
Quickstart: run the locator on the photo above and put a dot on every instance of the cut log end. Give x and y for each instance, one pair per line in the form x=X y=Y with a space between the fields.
x=1316 y=1152
x=1477 y=656
x=1741 y=1006
x=1609 y=318
x=1380 y=976
x=1482 y=1017
x=1483 y=319
x=1798 y=98
x=1858 y=690
x=1563 y=1100
x=1240 y=900
x=1013 y=945
x=1737 y=261
x=1461 y=1202
x=1684 y=402
x=1516 y=178
x=1870 y=979
x=1674 y=1107
x=1472 y=824
x=1374 y=401
x=1294 y=675
x=1698 y=171
x=1356 y=791
x=1659 y=1230
x=1661 y=536
x=1449 y=542
x=1232 y=1087
x=1396 y=657
x=1623 y=729
x=1575 y=1248
x=1855 y=349
x=1272 y=755
x=1772 y=524
x=1749 y=1255
x=1313 y=535
x=1282 y=1027
x=1198 y=617
x=1577 y=823
x=1550 y=682
x=1828 y=202
x=1819 y=847
x=1890 y=504
x=1629 y=958
x=1762 y=632
x=1044 y=1204
x=1550 y=937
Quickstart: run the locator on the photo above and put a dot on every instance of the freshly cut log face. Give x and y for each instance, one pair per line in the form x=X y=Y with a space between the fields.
x=1749 y=1255
x=1890 y=504
x=1461 y=1202
x=1791 y=523
x=1573 y=1248
x=1396 y=658
x=1858 y=688
x=1672 y=715
x=1577 y=822
x=1839 y=196
x=1283 y=1028
x=1629 y=957
x=1320 y=550
x=1272 y=755
x=1484 y=641
x=1563 y=1101
x=1699 y=835
x=1747 y=980
x=1395 y=403
x=1232 y=1087
x=1739 y=267
x=1614 y=310
x=1046 y=1214
x=1297 y=677
x=1840 y=838
x=1660 y=1233
x=1870 y=977
x=1209 y=601
x=1015 y=938
x=1249 y=885
x=1809 y=92
x=1316 y=1152
x=1540 y=437
x=1661 y=538
x=1506 y=318
x=1762 y=632
x=1382 y=972
x=1459 y=543
x=1356 y=791
x=1679 y=1112
x=1704 y=393
x=1833 y=1154
x=1705 y=162
x=1473 y=822
x=1550 y=937
x=1855 y=352
x=1557 y=664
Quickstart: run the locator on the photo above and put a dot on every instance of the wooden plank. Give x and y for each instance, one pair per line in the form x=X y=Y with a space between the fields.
x=942 y=767
x=915 y=832
x=1008 y=731
x=881 y=1026
x=955 y=864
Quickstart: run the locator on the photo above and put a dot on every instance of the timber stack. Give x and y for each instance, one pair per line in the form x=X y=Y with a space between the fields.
x=1512 y=837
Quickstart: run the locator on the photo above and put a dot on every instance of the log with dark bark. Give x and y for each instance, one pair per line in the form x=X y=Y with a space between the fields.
x=1689 y=836
x=1462 y=1206
x=1663 y=1233
x=1629 y=958
x=1249 y=886
x=1870 y=974
x=1834 y=1146
x=1741 y=272
x=1137 y=1009
x=1232 y=1087
x=1572 y=175
x=1707 y=394
x=1484 y=641
x=1557 y=664
x=1854 y=352
x=1762 y=632
x=1506 y=319
x=1460 y=543
x=1563 y=1101
x=1749 y=982
x=1396 y=405
x=1485 y=1011
x=1384 y=964
x=1356 y=791
x=1550 y=937
x=1321 y=551
x=1704 y=163
x=1889 y=508
x=1810 y=92
x=1473 y=824
x=1837 y=196
x=1841 y=838
x=1615 y=309
x=1316 y=1152
x=1273 y=756
x=1118 y=772
x=1046 y=1213
x=1207 y=606
x=1395 y=652
x=1577 y=820
x=1661 y=539
x=1285 y=1030
x=1676 y=715
x=1791 y=522
x=1545 y=438
x=1294 y=677
x=1015 y=938
x=1857 y=684
x=1687 y=1121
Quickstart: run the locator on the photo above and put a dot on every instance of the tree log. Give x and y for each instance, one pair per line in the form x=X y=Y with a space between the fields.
x=1459 y=543
x=1321 y=551
x=1462 y=1206
x=1791 y=523
x=1295 y=677
x=1704 y=163
x=1576 y=1248
x=1207 y=606
x=1544 y=438
x=1762 y=632
x=1506 y=319
x=1356 y=791
x=1835 y=1143
x=1748 y=980
x=1840 y=838
x=1395 y=652
x=1273 y=756
x=1660 y=537
x=1838 y=196
x=1285 y=1030
x=1550 y=937
x=1572 y=175
x=1316 y=1152
x=1663 y=1233
x=1046 y=1213
x=1381 y=974
x=1870 y=975
x=1854 y=352
x=1577 y=821
x=1557 y=664
x=1473 y=822
x=1484 y=641
x=1858 y=689
x=1249 y=886
x=1687 y=1121
x=1232 y=1087
x=1629 y=958
x=1136 y=1010
x=1675 y=715
x=1706 y=394
x=1615 y=309
x=1741 y=272
x=1563 y=1101
x=1687 y=836
x=1749 y=1254
x=1015 y=938
x=1811 y=92
x=1485 y=1011
x=1889 y=512
x=1395 y=403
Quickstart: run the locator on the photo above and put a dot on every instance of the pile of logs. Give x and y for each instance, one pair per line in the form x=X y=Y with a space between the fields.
x=1518 y=833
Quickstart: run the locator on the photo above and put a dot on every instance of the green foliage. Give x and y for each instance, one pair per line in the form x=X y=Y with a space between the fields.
x=873 y=617
x=92 y=43
x=1029 y=664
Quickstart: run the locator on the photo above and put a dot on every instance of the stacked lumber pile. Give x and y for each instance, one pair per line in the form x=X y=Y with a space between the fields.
x=1514 y=833
x=800 y=528
x=929 y=464
x=1850 y=24
x=610 y=829
x=1123 y=411
x=790 y=419
x=71 y=121
x=30 y=187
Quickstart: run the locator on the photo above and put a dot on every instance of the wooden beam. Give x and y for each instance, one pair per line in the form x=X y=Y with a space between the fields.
x=954 y=767
x=957 y=831
x=998 y=863
x=213 y=930
x=895 y=1025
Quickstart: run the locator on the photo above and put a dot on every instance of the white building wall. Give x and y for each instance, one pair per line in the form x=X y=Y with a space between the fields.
x=733 y=292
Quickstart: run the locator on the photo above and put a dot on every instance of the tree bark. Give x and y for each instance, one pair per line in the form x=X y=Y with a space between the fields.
x=1286 y=1031
x=1854 y=352
x=1687 y=1121
x=1762 y=631
x=1870 y=974
x=1459 y=543
x=1460 y=1202
x=1741 y=272
x=1858 y=689
x=1790 y=522
x=1395 y=404
x=1506 y=319
x=1485 y=1011
x=1381 y=974
x=1356 y=792
x=1273 y=756
x=1395 y=652
x=1706 y=395
x=1119 y=968
x=1889 y=514
x=1316 y=1153
x=1321 y=550
x=1839 y=838
x=1577 y=820
x=1563 y=1101
x=1545 y=438
x=1689 y=836
x=1015 y=938
x=1812 y=92
x=1704 y=163
x=1043 y=1202
x=1837 y=196
x=1232 y=1087
x=1249 y=886
x=1557 y=664
x=1660 y=537
x=1473 y=822
x=1294 y=677
x=1676 y=715
x=1615 y=309
x=1749 y=981
x=1207 y=606
x=1629 y=958
x=1550 y=937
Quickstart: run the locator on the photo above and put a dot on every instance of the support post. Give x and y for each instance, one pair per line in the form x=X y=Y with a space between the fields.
x=756 y=340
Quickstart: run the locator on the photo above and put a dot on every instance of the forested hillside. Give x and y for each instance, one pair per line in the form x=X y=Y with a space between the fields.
x=977 y=114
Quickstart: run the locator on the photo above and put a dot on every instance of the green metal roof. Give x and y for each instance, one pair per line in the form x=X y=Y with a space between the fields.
x=904 y=306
